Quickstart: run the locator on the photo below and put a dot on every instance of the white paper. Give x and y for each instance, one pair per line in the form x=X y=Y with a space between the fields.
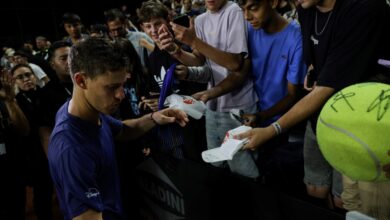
x=225 y=152
x=229 y=147
x=188 y=104
x=232 y=134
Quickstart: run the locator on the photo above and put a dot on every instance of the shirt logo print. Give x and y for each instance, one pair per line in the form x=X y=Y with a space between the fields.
x=92 y=192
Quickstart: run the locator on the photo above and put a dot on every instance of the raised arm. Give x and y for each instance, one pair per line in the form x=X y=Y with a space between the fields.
x=167 y=42
x=231 y=61
x=232 y=81
x=306 y=107
x=201 y=50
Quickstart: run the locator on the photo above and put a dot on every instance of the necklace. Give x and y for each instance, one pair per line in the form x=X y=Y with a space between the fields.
x=68 y=91
x=64 y=85
x=326 y=24
x=27 y=98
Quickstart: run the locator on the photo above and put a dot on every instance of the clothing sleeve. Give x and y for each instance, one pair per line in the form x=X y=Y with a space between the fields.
x=77 y=175
x=237 y=33
x=200 y=74
x=115 y=125
x=354 y=44
x=39 y=73
x=297 y=68
x=198 y=27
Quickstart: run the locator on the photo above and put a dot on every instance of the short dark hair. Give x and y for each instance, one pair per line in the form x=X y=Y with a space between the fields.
x=56 y=45
x=95 y=56
x=23 y=53
x=98 y=28
x=243 y=2
x=152 y=9
x=115 y=14
x=41 y=38
x=70 y=18
x=17 y=66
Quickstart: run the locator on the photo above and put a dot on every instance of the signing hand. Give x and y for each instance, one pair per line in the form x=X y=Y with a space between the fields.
x=151 y=103
x=170 y=115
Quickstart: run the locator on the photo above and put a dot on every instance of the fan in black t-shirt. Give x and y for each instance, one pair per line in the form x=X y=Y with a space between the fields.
x=342 y=40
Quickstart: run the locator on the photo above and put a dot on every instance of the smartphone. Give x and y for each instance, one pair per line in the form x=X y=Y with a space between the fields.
x=182 y=20
x=236 y=114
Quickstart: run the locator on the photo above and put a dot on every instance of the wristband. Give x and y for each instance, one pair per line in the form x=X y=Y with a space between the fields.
x=176 y=51
x=277 y=127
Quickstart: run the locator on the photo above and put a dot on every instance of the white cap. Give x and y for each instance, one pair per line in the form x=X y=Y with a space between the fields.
x=9 y=52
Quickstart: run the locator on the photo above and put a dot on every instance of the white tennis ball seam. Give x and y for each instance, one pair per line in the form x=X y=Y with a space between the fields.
x=362 y=143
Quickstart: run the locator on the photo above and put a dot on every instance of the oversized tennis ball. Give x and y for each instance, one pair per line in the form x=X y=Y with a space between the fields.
x=353 y=131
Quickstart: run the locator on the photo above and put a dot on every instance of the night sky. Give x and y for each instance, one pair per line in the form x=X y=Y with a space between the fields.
x=24 y=20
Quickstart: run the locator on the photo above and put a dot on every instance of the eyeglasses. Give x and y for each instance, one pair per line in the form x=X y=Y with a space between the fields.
x=23 y=75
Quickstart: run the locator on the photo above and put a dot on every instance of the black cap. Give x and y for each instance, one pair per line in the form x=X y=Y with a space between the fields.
x=70 y=18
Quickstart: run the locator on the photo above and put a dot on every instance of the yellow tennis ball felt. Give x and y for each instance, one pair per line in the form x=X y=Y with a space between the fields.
x=353 y=131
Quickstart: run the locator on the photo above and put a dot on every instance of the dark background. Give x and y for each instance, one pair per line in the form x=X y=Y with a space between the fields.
x=24 y=20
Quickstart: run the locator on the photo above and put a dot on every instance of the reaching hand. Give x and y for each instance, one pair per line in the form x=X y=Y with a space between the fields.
x=166 y=40
x=185 y=35
x=203 y=96
x=257 y=137
x=151 y=103
x=170 y=115
x=7 y=86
